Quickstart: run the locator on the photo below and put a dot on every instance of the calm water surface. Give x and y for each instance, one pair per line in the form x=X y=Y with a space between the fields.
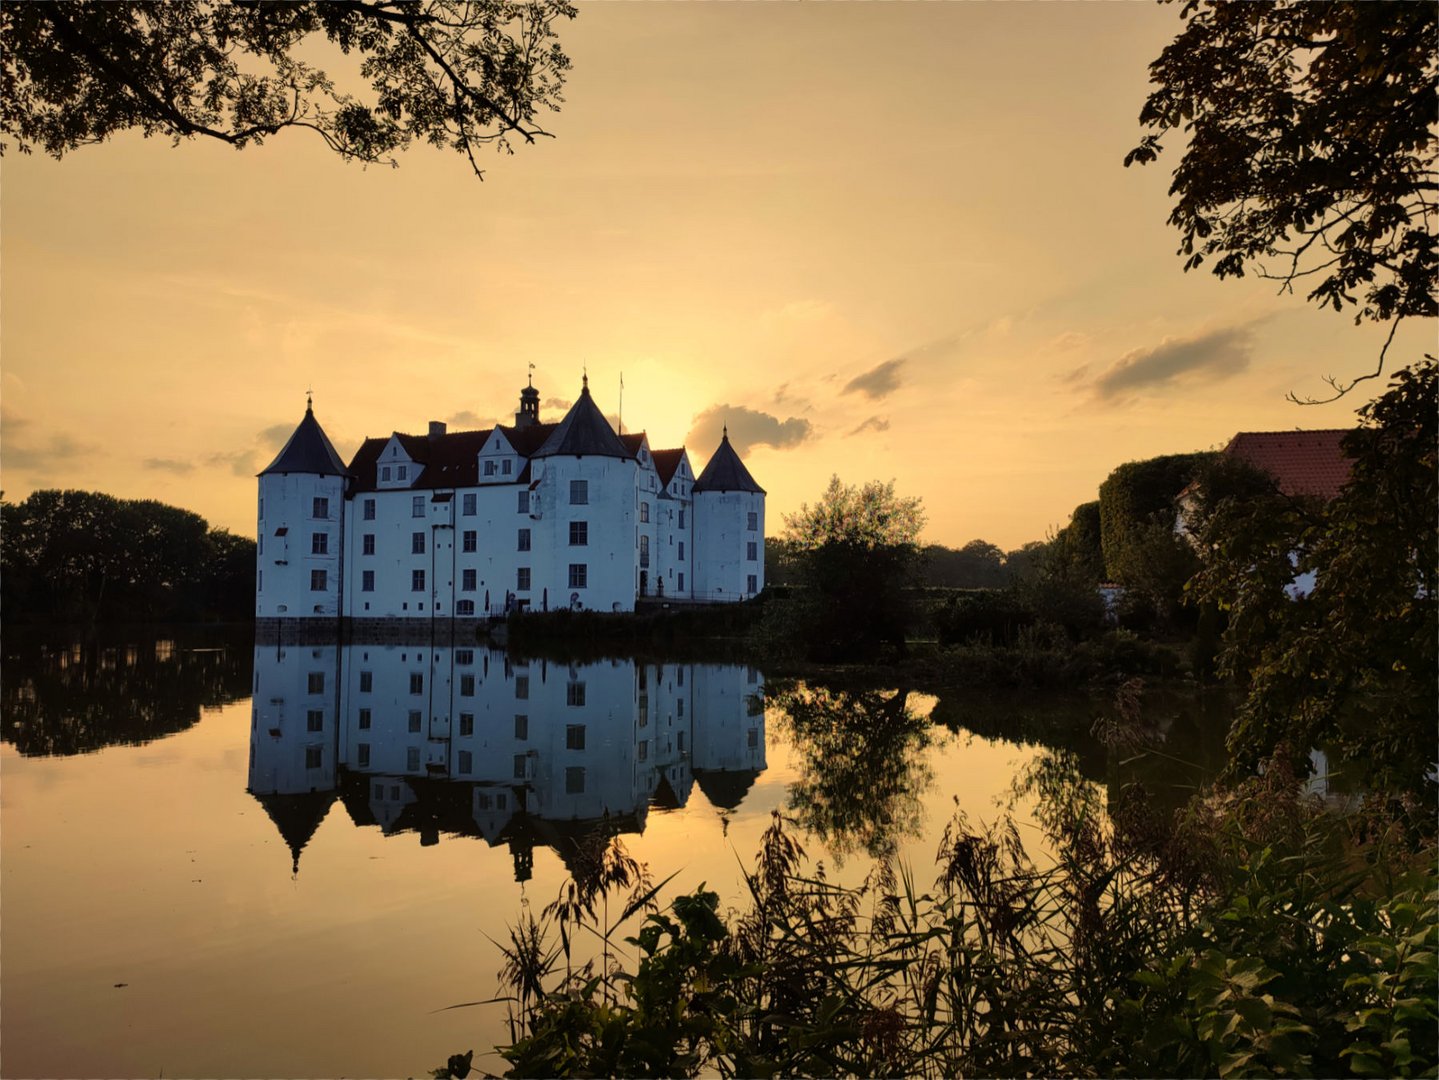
x=228 y=859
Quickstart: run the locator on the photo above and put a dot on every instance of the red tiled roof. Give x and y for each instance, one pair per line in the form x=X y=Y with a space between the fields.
x=1301 y=462
x=666 y=462
x=449 y=461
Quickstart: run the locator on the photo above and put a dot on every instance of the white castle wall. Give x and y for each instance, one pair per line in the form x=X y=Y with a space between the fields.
x=723 y=567
x=285 y=546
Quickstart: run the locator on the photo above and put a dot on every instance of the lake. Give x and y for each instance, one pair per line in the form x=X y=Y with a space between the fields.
x=230 y=858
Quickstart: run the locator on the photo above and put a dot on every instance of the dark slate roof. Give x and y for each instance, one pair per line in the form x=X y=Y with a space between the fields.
x=666 y=462
x=448 y=461
x=308 y=451
x=725 y=789
x=584 y=430
x=633 y=441
x=529 y=438
x=726 y=472
x=1301 y=462
x=297 y=817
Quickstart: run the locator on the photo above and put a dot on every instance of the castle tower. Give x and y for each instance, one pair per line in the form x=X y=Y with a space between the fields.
x=729 y=529
x=529 y=406
x=300 y=539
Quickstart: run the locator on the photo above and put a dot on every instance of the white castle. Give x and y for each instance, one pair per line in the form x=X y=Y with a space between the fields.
x=469 y=524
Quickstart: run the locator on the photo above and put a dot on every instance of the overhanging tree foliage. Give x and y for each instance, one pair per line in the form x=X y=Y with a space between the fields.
x=452 y=73
x=1311 y=148
x=1352 y=665
x=1136 y=513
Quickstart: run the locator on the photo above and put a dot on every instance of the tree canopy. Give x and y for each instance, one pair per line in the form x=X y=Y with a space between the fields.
x=855 y=550
x=451 y=73
x=1350 y=666
x=1311 y=148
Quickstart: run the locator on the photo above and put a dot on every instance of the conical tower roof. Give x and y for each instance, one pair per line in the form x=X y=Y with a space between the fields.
x=308 y=451
x=584 y=430
x=726 y=472
x=725 y=788
x=297 y=817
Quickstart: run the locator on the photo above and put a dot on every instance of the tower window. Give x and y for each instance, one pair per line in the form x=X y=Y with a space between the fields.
x=753 y=521
x=368 y=509
x=367 y=544
x=417 y=543
x=417 y=506
x=644 y=512
x=522 y=579
x=417 y=581
x=579 y=533
x=522 y=541
x=579 y=492
x=468 y=505
x=318 y=581
x=320 y=508
x=579 y=575
x=319 y=543
x=367 y=581
x=523 y=499
x=469 y=541
x=467 y=581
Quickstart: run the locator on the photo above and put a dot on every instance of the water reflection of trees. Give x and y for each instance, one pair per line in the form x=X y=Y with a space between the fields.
x=73 y=697
x=861 y=763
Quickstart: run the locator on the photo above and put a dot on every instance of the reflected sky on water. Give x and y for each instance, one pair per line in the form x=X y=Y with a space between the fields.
x=230 y=859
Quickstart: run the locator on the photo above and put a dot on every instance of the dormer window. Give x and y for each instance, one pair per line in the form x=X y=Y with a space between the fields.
x=384 y=472
x=402 y=472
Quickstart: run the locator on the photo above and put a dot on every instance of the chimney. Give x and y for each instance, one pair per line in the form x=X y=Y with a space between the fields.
x=437 y=429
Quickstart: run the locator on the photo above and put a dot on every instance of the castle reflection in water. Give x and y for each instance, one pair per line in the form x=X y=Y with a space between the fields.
x=468 y=741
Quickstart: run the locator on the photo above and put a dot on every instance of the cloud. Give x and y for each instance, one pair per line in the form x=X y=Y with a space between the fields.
x=877 y=382
x=874 y=423
x=1217 y=354
x=241 y=462
x=56 y=449
x=276 y=435
x=467 y=419
x=747 y=428
x=556 y=403
x=172 y=465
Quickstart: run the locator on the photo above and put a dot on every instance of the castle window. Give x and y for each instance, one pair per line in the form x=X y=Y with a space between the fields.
x=753 y=737
x=523 y=499
x=682 y=580
x=385 y=473
x=315 y=682
x=364 y=719
x=579 y=575
x=466 y=761
x=644 y=550
x=318 y=581
x=467 y=723
x=489 y=468
x=520 y=766
x=751 y=551
x=368 y=509
x=642 y=752
x=467 y=686
x=417 y=506
x=320 y=508
x=319 y=543
x=575 y=780
x=314 y=757
x=467 y=580
x=417 y=543
x=412 y=759
x=402 y=472
x=367 y=581
x=753 y=521
x=464 y=656
x=574 y=736
x=363 y=759
x=468 y=505
x=367 y=681
x=644 y=512
x=579 y=492
x=506 y=466
x=469 y=541
x=579 y=533
x=417 y=581
x=522 y=541
x=415 y=720
x=522 y=726
x=464 y=607
x=367 y=544
x=522 y=579
x=315 y=720
x=752 y=583
x=522 y=687
x=682 y=517
x=682 y=555
x=417 y=682
x=575 y=697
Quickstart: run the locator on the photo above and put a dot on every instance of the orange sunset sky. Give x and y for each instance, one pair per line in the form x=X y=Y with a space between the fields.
x=884 y=241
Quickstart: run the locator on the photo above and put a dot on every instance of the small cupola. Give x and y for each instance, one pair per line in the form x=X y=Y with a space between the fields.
x=529 y=406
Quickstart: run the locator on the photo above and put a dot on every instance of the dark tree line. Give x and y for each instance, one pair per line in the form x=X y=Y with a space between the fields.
x=85 y=557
